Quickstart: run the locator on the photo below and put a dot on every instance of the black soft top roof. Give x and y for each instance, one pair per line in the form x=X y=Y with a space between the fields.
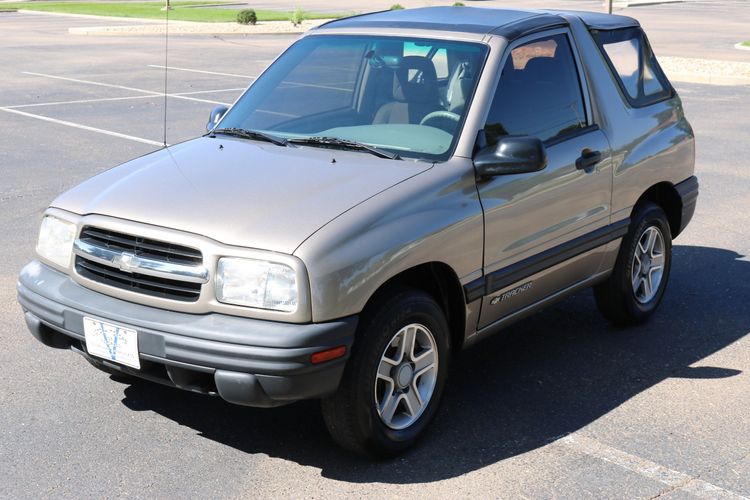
x=600 y=21
x=508 y=23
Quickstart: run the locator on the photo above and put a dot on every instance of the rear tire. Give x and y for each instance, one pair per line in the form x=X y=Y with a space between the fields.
x=634 y=290
x=394 y=379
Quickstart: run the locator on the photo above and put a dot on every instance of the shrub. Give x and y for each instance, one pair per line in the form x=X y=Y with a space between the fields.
x=397 y=6
x=297 y=16
x=247 y=16
x=458 y=4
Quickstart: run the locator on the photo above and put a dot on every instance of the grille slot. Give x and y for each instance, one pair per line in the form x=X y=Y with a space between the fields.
x=142 y=247
x=155 y=286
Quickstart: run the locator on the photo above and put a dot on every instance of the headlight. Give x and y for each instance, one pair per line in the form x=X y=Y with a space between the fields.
x=256 y=283
x=56 y=240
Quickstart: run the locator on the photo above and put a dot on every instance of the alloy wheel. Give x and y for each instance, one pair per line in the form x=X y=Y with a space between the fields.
x=406 y=376
x=647 y=268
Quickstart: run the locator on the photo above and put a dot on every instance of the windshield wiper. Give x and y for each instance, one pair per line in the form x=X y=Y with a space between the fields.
x=345 y=144
x=251 y=134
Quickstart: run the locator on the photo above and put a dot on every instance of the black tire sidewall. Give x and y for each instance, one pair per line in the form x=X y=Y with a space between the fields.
x=648 y=215
x=405 y=309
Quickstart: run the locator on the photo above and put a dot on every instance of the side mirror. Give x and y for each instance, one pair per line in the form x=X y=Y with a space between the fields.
x=511 y=155
x=216 y=114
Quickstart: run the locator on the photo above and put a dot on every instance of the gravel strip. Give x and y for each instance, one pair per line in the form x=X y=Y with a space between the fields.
x=706 y=70
x=185 y=27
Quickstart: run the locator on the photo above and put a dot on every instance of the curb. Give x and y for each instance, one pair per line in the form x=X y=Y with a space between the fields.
x=88 y=16
x=204 y=5
x=157 y=26
x=643 y=3
x=708 y=79
x=739 y=46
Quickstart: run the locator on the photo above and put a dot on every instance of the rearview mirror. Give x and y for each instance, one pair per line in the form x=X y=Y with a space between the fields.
x=511 y=155
x=216 y=114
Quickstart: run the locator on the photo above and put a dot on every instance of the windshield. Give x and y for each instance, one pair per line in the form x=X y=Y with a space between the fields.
x=407 y=96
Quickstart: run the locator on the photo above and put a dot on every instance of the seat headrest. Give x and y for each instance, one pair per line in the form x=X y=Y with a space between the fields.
x=415 y=80
x=459 y=87
x=542 y=68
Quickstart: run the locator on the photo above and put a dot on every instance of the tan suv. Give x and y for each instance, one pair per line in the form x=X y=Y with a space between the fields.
x=393 y=188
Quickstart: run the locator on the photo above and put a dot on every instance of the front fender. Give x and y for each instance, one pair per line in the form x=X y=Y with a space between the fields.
x=433 y=216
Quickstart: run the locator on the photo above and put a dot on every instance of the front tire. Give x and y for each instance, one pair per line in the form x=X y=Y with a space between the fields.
x=634 y=290
x=394 y=379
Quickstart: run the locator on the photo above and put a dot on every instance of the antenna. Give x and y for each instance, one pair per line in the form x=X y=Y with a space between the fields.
x=166 y=65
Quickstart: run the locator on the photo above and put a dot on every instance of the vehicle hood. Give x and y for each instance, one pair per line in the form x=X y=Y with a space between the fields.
x=239 y=192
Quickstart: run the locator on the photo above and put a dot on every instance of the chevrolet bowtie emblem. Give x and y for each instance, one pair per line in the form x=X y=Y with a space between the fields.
x=127 y=262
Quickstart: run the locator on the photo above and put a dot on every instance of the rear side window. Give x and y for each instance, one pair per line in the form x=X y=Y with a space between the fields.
x=633 y=63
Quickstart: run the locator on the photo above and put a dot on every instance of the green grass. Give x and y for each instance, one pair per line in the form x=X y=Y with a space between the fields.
x=746 y=44
x=181 y=11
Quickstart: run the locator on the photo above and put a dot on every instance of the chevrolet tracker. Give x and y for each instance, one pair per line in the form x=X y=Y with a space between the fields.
x=392 y=189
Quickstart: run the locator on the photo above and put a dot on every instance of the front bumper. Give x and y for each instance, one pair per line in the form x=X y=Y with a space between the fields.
x=245 y=361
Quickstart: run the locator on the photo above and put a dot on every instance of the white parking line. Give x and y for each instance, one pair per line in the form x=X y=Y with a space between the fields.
x=293 y=84
x=83 y=127
x=316 y=86
x=648 y=469
x=276 y=113
x=108 y=99
x=121 y=87
x=210 y=91
x=81 y=101
x=189 y=70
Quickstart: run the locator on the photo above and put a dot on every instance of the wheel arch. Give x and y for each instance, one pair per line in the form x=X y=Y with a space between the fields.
x=665 y=195
x=440 y=281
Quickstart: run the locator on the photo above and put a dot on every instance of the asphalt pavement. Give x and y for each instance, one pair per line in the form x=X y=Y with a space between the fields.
x=562 y=405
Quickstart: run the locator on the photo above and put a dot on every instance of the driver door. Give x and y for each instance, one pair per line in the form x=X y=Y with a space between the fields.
x=542 y=228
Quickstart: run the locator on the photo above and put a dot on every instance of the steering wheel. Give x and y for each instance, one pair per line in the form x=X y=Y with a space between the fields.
x=441 y=118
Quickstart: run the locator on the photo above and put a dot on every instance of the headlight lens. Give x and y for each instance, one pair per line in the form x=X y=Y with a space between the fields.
x=56 y=240
x=256 y=283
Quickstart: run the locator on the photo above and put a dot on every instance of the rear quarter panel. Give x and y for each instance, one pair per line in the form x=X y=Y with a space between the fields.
x=649 y=145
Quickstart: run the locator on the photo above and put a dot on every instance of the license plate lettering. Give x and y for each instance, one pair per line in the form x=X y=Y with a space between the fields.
x=111 y=342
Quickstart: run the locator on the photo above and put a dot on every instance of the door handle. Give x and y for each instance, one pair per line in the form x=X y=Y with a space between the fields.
x=588 y=159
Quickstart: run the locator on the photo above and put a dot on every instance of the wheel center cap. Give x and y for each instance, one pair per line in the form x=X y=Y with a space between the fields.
x=646 y=266
x=404 y=375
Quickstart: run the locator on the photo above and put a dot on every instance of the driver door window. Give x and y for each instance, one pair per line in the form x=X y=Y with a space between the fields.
x=539 y=93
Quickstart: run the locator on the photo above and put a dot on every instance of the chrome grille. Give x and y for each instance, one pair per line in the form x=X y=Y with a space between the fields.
x=142 y=247
x=140 y=265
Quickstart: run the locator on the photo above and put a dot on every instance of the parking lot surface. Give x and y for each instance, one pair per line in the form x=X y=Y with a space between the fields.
x=563 y=405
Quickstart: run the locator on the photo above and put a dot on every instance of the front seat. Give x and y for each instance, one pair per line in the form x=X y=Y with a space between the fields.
x=413 y=98
x=459 y=88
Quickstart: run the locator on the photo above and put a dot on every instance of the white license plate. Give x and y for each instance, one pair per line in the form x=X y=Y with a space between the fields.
x=112 y=342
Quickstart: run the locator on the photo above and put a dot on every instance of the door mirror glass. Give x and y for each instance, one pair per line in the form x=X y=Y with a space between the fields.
x=216 y=114
x=511 y=155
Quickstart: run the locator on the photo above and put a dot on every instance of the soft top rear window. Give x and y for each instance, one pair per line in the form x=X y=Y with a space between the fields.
x=634 y=65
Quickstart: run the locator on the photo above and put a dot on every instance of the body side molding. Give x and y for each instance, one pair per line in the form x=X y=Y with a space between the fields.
x=506 y=276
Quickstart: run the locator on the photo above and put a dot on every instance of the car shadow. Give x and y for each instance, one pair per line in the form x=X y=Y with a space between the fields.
x=545 y=377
